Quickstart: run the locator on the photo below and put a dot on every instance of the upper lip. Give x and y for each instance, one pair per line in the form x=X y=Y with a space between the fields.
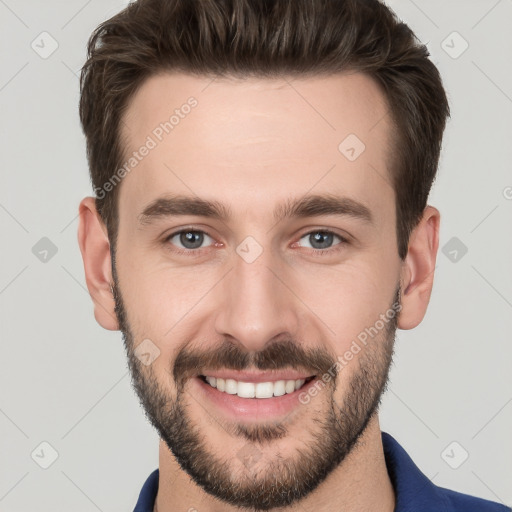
x=257 y=376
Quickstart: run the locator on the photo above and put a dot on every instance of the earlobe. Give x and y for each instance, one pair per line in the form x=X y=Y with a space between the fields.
x=95 y=249
x=417 y=275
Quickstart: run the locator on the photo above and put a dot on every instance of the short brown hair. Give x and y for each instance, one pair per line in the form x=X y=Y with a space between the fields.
x=266 y=39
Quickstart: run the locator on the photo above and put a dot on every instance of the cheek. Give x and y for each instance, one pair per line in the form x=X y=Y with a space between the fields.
x=163 y=305
x=349 y=297
x=157 y=292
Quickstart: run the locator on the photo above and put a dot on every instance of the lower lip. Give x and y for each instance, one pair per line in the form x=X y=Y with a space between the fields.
x=251 y=408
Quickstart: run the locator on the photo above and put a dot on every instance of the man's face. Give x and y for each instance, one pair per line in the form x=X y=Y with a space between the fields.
x=253 y=297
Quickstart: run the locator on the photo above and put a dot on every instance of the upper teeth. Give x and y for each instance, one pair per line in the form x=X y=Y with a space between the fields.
x=255 y=390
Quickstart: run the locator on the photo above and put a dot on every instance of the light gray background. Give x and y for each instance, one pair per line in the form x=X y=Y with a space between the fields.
x=64 y=379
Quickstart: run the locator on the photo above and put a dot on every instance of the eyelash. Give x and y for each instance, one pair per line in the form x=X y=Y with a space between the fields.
x=199 y=252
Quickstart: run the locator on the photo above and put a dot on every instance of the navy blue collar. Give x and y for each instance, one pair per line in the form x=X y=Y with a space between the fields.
x=414 y=492
x=412 y=487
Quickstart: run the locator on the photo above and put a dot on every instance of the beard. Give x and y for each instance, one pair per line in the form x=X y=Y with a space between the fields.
x=264 y=479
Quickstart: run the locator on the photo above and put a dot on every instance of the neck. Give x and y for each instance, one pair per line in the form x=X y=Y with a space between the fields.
x=361 y=482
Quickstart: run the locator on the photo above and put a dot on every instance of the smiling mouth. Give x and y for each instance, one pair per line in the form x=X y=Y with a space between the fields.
x=268 y=389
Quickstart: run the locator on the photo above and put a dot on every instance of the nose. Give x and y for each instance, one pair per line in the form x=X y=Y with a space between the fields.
x=256 y=303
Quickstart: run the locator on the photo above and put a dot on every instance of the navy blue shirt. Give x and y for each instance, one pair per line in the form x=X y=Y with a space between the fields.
x=414 y=492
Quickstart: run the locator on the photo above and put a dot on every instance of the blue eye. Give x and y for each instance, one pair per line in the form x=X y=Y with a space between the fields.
x=321 y=239
x=190 y=239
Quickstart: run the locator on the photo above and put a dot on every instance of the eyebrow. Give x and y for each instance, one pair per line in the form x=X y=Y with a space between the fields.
x=307 y=206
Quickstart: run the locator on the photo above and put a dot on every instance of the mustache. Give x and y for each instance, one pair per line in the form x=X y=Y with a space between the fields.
x=280 y=355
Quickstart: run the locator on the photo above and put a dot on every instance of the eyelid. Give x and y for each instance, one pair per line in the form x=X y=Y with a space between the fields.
x=186 y=229
x=324 y=229
x=344 y=240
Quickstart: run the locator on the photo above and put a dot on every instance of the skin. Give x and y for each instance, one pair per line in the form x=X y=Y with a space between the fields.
x=250 y=145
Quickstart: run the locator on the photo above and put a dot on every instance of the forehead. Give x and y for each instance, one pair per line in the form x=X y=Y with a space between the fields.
x=255 y=138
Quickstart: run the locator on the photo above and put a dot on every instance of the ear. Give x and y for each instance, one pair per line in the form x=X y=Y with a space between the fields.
x=417 y=273
x=95 y=249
